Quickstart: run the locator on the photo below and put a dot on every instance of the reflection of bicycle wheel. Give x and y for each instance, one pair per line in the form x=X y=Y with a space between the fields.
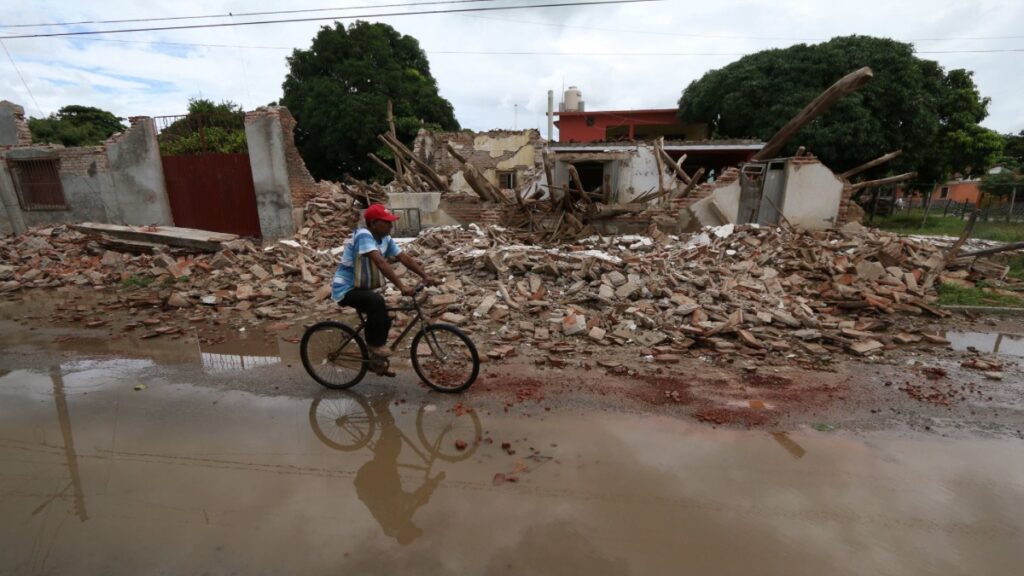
x=344 y=422
x=438 y=431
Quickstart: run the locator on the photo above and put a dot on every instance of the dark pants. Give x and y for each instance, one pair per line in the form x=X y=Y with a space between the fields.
x=370 y=303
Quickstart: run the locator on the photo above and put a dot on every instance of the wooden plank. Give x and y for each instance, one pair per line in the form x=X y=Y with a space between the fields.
x=166 y=235
x=676 y=167
x=717 y=210
x=845 y=85
x=869 y=165
x=953 y=250
x=883 y=181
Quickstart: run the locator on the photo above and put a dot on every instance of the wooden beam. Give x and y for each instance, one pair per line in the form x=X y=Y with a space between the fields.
x=883 y=181
x=953 y=250
x=661 y=168
x=190 y=238
x=869 y=165
x=717 y=211
x=394 y=134
x=996 y=250
x=692 y=183
x=677 y=168
x=845 y=85
x=398 y=148
x=384 y=165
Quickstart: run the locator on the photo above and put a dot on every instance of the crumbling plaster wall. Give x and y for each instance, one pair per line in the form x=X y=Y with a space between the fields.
x=814 y=198
x=268 y=158
x=140 y=192
x=490 y=152
x=632 y=173
x=13 y=126
x=283 y=183
x=813 y=195
x=120 y=182
x=432 y=213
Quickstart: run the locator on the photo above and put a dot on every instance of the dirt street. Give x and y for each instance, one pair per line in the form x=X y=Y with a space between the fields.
x=211 y=451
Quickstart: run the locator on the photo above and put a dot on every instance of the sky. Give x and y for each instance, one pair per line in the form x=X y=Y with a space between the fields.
x=494 y=67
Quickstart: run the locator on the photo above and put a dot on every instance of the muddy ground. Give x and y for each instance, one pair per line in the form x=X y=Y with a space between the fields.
x=922 y=387
x=211 y=451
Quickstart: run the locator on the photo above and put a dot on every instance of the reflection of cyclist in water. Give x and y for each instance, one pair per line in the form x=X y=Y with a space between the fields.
x=379 y=486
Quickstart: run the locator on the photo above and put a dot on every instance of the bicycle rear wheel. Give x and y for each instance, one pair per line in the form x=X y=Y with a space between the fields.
x=333 y=354
x=445 y=358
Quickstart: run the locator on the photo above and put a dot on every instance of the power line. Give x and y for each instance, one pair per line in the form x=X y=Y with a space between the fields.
x=25 y=84
x=507 y=53
x=320 y=18
x=238 y=14
x=435 y=2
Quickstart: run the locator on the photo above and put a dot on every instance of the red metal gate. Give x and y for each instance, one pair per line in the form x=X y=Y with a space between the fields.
x=212 y=192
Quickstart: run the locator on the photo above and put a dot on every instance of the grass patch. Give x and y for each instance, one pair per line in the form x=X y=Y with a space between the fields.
x=1016 y=267
x=953 y=295
x=936 y=225
x=137 y=282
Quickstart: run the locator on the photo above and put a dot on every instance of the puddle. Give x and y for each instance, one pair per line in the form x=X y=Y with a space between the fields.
x=97 y=478
x=988 y=342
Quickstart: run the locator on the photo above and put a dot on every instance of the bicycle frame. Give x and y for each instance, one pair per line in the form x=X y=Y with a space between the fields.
x=418 y=320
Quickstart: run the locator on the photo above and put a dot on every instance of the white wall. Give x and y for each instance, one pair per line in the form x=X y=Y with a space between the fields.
x=813 y=193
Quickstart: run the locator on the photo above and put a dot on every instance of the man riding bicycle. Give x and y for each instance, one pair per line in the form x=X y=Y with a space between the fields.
x=363 y=260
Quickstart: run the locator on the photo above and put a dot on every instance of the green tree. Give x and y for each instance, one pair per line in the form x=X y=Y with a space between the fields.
x=75 y=126
x=338 y=92
x=1000 y=181
x=207 y=128
x=911 y=104
x=1013 y=147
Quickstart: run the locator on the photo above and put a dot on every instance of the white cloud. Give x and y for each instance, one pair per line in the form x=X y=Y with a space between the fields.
x=150 y=79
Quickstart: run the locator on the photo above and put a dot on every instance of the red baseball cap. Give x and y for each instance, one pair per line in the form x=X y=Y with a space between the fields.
x=378 y=212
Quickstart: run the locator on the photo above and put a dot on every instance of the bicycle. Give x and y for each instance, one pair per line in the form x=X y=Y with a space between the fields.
x=350 y=422
x=335 y=354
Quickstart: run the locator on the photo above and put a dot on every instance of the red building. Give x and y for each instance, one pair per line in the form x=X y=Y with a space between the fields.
x=621 y=129
x=619 y=125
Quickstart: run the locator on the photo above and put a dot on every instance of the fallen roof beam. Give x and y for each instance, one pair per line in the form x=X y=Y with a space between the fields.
x=845 y=85
x=883 y=181
x=869 y=165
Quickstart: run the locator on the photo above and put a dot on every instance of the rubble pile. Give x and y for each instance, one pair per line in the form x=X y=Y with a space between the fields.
x=329 y=219
x=746 y=289
x=749 y=289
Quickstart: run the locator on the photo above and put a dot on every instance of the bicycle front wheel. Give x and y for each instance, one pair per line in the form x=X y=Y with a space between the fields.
x=334 y=355
x=445 y=358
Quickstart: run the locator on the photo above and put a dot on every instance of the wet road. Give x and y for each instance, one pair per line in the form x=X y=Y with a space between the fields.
x=99 y=477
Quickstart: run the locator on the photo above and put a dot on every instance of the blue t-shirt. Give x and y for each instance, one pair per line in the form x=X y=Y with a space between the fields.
x=356 y=269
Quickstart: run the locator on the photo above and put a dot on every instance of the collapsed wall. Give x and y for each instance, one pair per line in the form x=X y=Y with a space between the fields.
x=508 y=159
x=120 y=181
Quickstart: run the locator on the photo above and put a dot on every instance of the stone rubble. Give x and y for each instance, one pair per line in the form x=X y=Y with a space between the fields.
x=733 y=289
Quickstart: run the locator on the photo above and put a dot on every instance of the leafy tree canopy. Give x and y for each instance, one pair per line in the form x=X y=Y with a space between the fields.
x=75 y=126
x=1014 y=147
x=911 y=104
x=208 y=128
x=338 y=91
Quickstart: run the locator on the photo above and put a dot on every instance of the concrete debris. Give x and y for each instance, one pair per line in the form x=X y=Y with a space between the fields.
x=750 y=290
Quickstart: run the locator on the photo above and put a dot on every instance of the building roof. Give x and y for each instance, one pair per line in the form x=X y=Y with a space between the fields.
x=670 y=145
x=620 y=112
